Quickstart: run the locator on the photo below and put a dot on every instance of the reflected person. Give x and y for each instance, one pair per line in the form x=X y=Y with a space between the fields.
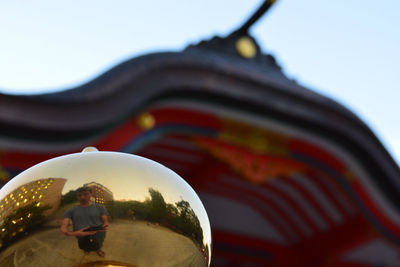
x=89 y=220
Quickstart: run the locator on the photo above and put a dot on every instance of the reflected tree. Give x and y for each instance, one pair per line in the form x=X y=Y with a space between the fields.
x=22 y=221
x=69 y=197
x=178 y=216
x=157 y=207
x=188 y=221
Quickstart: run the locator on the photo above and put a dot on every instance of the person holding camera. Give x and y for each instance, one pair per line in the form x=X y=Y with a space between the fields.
x=89 y=220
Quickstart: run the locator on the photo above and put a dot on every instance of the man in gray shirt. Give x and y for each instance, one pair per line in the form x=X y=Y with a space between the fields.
x=89 y=220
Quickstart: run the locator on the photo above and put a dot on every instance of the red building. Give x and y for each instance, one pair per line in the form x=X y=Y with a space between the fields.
x=288 y=177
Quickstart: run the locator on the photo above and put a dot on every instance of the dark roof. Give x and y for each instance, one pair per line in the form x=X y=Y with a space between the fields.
x=203 y=73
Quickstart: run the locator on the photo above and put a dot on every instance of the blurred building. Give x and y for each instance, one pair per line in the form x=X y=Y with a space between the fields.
x=288 y=177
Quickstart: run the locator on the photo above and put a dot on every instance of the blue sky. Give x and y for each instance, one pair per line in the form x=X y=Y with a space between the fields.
x=347 y=50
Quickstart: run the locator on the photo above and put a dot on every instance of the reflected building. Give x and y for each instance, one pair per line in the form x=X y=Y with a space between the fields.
x=100 y=193
x=47 y=191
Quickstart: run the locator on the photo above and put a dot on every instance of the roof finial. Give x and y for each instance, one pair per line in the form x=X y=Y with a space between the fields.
x=243 y=30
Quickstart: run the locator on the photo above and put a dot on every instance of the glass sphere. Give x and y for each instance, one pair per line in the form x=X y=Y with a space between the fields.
x=102 y=209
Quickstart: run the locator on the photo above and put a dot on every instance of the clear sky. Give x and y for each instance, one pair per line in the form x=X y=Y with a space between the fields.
x=348 y=49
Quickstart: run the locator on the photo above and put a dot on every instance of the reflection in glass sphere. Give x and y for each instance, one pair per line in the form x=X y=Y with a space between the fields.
x=102 y=209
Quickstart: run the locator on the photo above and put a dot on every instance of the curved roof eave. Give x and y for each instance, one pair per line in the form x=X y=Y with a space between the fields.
x=197 y=73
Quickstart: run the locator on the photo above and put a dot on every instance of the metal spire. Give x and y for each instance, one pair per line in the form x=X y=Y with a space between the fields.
x=243 y=30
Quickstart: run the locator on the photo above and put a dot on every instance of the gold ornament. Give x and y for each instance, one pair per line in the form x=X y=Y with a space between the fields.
x=102 y=209
x=246 y=47
x=146 y=121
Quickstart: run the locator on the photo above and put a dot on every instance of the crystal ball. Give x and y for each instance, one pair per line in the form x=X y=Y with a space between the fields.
x=102 y=209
